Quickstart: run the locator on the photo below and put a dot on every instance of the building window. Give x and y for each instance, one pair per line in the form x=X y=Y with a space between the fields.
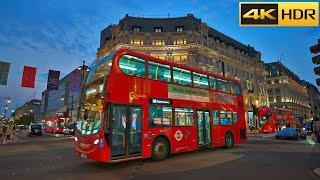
x=158 y=29
x=159 y=71
x=183 y=116
x=182 y=76
x=158 y=42
x=136 y=28
x=179 y=28
x=179 y=41
x=160 y=116
x=180 y=59
x=136 y=41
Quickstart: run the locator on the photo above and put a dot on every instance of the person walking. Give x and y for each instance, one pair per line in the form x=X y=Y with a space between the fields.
x=8 y=132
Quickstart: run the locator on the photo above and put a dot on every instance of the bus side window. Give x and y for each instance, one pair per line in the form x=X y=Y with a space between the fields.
x=200 y=80
x=235 y=89
x=184 y=116
x=157 y=71
x=182 y=76
x=215 y=117
x=133 y=66
x=160 y=116
x=235 y=117
x=212 y=82
x=225 y=117
x=223 y=85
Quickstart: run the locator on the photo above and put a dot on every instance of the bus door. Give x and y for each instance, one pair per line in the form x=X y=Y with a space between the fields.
x=125 y=128
x=204 y=129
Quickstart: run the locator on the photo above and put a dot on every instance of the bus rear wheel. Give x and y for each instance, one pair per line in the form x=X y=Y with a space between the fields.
x=229 y=141
x=160 y=149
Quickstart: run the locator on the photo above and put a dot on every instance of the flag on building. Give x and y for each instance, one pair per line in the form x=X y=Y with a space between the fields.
x=75 y=82
x=4 y=72
x=53 y=80
x=28 y=77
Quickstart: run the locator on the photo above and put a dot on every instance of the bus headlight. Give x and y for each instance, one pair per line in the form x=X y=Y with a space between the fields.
x=76 y=139
x=96 y=141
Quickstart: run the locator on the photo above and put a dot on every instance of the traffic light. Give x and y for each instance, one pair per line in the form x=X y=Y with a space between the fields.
x=315 y=49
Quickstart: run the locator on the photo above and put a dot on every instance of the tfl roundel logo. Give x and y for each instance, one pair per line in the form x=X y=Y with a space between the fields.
x=178 y=135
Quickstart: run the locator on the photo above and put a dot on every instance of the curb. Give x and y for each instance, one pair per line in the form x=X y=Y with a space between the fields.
x=317 y=171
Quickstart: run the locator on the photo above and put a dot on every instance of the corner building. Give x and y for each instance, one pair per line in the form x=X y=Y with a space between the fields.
x=189 y=41
x=285 y=89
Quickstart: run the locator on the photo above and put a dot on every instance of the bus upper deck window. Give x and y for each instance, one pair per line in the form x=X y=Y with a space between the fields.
x=133 y=66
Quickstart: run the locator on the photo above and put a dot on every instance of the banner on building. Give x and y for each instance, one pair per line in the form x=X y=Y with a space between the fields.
x=75 y=82
x=28 y=77
x=4 y=72
x=53 y=80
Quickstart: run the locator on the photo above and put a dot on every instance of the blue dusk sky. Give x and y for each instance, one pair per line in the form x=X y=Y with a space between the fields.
x=59 y=34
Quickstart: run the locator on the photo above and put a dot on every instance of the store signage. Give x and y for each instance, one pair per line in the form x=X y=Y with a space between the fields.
x=159 y=101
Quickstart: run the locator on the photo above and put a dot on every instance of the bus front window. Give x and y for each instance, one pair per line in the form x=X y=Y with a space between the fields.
x=92 y=104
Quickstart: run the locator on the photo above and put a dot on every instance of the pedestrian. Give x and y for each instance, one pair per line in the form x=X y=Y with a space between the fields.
x=8 y=132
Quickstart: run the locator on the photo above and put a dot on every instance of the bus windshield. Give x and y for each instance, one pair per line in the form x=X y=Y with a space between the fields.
x=91 y=108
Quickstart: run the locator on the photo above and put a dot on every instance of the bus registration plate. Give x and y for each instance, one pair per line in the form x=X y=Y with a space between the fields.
x=84 y=155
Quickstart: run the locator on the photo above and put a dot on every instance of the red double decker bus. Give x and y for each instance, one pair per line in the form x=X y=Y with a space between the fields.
x=137 y=106
x=272 y=119
x=54 y=125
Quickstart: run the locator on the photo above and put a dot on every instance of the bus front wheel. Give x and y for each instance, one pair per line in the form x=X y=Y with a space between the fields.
x=160 y=149
x=229 y=141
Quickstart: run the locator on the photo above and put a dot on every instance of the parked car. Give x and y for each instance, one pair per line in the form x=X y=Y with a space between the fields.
x=290 y=133
x=35 y=129
x=69 y=129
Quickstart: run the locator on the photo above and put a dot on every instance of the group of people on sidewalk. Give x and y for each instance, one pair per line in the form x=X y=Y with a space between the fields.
x=6 y=133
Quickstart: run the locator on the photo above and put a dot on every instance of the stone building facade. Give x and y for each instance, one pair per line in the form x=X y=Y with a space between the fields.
x=29 y=108
x=285 y=89
x=187 y=40
x=313 y=98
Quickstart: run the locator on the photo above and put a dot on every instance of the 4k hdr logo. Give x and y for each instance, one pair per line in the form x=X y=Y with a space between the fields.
x=279 y=13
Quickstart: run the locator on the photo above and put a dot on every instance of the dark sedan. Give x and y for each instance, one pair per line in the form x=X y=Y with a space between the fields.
x=35 y=129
